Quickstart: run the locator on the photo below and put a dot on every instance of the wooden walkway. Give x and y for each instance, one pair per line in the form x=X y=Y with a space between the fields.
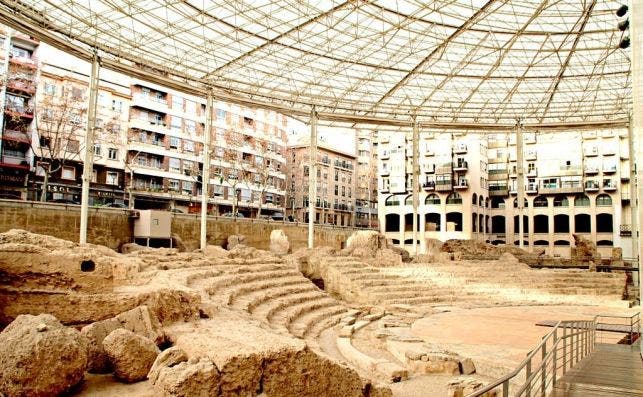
x=610 y=371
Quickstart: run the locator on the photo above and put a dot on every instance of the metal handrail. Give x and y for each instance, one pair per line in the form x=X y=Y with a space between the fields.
x=563 y=347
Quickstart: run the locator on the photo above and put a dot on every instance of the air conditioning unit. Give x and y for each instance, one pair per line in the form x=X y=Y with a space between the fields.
x=153 y=224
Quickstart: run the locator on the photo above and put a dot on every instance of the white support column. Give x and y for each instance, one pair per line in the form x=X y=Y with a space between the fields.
x=520 y=173
x=415 y=182
x=633 y=202
x=5 y=72
x=312 y=177
x=88 y=164
x=636 y=35
x=205 y=177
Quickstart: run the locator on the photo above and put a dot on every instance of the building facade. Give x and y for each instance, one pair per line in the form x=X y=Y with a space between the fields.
x=366 y=186
x=576 y=182
x=335 y=185
x=19 y=63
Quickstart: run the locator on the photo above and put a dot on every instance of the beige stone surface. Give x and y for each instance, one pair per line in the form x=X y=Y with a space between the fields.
x=166 y=359
x=194 y=378
x=138 y=320
x=131 y=355
x=40 y=357
x=279 y=244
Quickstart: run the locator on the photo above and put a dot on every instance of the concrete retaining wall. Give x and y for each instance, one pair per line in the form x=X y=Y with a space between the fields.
x=112 y=226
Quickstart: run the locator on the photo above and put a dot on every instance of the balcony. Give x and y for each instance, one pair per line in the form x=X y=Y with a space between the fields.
x=461 y=166
x=342 y=207
x=443 y=186
x=25 y=62
x=591 y=151
x=385 y=172
x=531 y=155
x=386 y=154
x=625 y=197
x=385 y=189
x=531 y=188
x=15 y=161
x=609 y=186
x=429 y=170
x=591 y=170
x=149 y=125
x=428 y=186
x=460 y=149
x=16 y=136
x=609 y=169
x=25 y=112
x=571 y=170
x=150 y=102
x=343 y=164
x=608 y=151
x=429 y=153
x=591 y=186
x=444 y=169
x=532 y=172
x=498 y=175
x=463 y=184
x=565 y=188
x=21 y=85
x=625 y=231
x=589 y=135
x=495 y=191
x=496 y=143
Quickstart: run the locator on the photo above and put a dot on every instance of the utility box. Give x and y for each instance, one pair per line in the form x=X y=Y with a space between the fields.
x=153 y=224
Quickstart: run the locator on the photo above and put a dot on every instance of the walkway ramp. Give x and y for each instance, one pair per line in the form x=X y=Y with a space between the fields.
x=610 y=370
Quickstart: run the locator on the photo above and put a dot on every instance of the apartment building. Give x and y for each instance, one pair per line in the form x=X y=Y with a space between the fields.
x=59 y=144
x=335 y=184
x=575 y=182
x=18 y=57
x=366 y=186
x=165 y=148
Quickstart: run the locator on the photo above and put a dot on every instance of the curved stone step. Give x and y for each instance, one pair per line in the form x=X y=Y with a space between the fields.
x=268 y=308
x=287 y=315
x=239 y=292
x=250 y=303
x=217 y=283
x=302 y=326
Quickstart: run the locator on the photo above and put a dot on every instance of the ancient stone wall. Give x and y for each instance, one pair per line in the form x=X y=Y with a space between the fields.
x=112 y=227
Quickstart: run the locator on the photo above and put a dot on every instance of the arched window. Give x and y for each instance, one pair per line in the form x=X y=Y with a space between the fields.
x=486 y=202
x=392 y=201
x=432 y=199
x=561 y=242
x=605 y=243
x=432 y=220
x=541 y=224
x=392 y=223
x=541 y=242
x=582 y=223
x=561 y=201
x=581 y=201
x=454 y=198
x=541 y=201
x=456 y=218
x=561 y=223
x=408 y=200
x=516 y=203
x=498 y=224
x=604 y=223
x=603 y=200
x=497 y=202
x=474 y=199
x=481 y=201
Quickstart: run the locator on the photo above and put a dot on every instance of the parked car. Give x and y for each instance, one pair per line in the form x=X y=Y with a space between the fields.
x=116 y=205
x=177 y=211
x=231 y=215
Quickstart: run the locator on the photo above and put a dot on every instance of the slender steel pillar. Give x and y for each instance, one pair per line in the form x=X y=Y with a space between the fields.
x=636 y=35
x=520 y=172
x=415 y=183
x=205 y=177
x=5 y=71
x=88 y=164
x=312 y=177
x=632 y=192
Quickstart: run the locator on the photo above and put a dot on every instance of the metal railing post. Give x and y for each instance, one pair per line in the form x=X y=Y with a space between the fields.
x=543 y=367
x=564 y=349
x=554 y=358
x=527 y=376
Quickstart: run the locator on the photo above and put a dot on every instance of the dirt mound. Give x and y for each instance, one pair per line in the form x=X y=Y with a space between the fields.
x=472 y=249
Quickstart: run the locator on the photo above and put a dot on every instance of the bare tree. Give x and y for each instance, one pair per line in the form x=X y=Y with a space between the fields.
x=58 y=121
x=238 y=169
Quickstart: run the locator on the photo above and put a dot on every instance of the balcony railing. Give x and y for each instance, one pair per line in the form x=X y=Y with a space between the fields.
x=609 y=186
x=18 y=161
x=563 y=188
x=591 y=186
x=461 y=166
x=23 y=85
x=590 y=169
x=626 y=231
x=17 y=136
x=428 y=185
x=444 y=185
x=609 y=169
x=462 y=184
x=21 y=111
x=460 y=149
x=28 y=62
x=591 y=152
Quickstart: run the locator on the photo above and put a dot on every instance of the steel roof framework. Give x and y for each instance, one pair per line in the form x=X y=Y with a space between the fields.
x=451 y=63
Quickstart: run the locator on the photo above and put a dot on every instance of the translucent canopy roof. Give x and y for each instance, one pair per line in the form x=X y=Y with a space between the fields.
x=444 y=61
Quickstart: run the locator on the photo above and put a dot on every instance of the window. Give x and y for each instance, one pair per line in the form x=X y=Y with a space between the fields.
x=103 y=99
x=540 y=201
x=111 y=178
x=117 y=106
x=454 y=198
x=97 y=150
x=50 y=89
x=112 y=154
x=176 y=123
x=344 y=191
x=77 y=93
x=174 y=185
x=20 y=52
x=190 y=107
x=175 y=165
x=73 y=146
x=336 y=190
x=603 y=200
x=175 y=142
x=177 y=102
x=432 y=199
x=141 y=160
x=48 y=114
x=581 y=201
x=392 y=201
x=561 y=201
x=188 y=146
x=551 y=183
x=40 y=169
x=190 y=126
x=68 y=173
x=74 y=118
x=221 y=114
x=187 y=187
x=94 y=176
